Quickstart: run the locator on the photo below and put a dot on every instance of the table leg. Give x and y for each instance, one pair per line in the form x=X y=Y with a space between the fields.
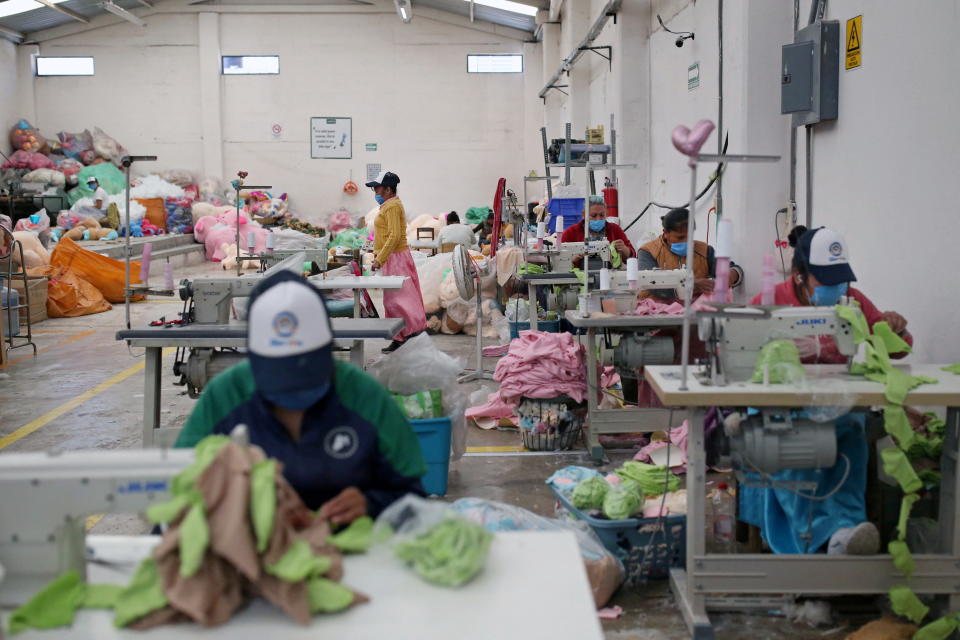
x=532 y=295
x=356 y=353
x=949 y=515
x=356 y=303
x=151 y=396
x=684 y=583
x=593 y=384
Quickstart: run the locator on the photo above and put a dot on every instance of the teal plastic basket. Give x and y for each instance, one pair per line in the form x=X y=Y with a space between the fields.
x=434 y=437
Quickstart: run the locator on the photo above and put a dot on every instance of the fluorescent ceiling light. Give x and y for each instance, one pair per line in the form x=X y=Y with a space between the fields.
x=507 y=5
x=404 y=10
x=13 y=7
x=122 y=13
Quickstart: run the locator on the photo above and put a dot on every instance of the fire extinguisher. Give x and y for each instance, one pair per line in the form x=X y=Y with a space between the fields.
x=610 y=197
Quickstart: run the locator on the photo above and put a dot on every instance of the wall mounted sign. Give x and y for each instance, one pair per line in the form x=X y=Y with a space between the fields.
x=331 y=138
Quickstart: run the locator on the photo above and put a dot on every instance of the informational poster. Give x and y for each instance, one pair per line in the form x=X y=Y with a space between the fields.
x=373 y=171
x=331 y=138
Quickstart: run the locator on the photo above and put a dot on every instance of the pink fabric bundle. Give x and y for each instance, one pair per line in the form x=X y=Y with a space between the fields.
x=651 y=307
x=28 y=160
x=338 y=221
x=678 y=438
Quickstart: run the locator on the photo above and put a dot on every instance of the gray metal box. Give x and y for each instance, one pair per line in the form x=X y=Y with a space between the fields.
x=810 y=74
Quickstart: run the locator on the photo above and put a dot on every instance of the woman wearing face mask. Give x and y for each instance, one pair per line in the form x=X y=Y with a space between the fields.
x=595 y=226
x=392 y=257
x=836 y=523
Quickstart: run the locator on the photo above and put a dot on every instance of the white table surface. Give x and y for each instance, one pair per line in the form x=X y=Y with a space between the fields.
x=424 y=244
x=825 y=385
x=357 y=282
x=534 y=586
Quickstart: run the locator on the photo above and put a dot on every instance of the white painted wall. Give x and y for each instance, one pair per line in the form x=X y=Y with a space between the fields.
x=8 y=89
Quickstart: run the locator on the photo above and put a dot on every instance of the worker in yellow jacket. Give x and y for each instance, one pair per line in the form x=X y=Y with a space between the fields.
x=392 y=257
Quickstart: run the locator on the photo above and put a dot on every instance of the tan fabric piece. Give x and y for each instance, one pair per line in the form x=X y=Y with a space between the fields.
x=886 y=628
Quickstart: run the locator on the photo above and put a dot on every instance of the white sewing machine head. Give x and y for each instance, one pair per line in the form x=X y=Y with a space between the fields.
x=735 y=335
x=675 y=279
x=561 y=255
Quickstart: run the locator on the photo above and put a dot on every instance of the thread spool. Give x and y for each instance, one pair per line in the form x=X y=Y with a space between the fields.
x=558 y=223
x=541 y=233
x=271 y=242
x=633 y=272
x=604 y=279
x=145 y=262
x=251 y=241
x=168 y=277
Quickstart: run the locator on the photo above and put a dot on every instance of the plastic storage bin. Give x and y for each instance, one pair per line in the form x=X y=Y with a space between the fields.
x=434 y=437
x=550 y=326
x=10 y=298
x=570 y=209
x=648 y=547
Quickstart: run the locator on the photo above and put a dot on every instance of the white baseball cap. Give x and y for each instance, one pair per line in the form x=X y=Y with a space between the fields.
x=824 y=251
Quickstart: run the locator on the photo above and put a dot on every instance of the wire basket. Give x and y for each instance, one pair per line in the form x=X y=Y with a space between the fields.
x=551 y=424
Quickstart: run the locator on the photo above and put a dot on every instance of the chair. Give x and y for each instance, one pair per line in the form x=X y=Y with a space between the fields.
x=429 y=234
x=447 y=247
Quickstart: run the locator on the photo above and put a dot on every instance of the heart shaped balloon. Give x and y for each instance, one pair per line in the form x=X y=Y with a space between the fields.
x=689 y=141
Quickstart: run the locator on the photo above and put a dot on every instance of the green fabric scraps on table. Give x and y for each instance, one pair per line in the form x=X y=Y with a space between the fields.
x=326 y=596
x=101 y=596
x=263 y=501
x=902 y=558
x=896 y=465
x=935 y=424
x=906 y=506
x=299 y=563
x=203 y=454
x=953 y=368
x=622 y=500
x=938 y=629
x=924 y=447
x=450 y=554
x=615 y=258
x=53 y=606
x=894 y=343
x=653 y=480
x=900 y=383
x=857 y=321
x=907 y=604
x=590 y=493
x=930 y=477
x=528 y=267
x=896 y=424
x=167 y=512
x=143 y=595
x=194 y=540
x=782 y=360
x=356 y=538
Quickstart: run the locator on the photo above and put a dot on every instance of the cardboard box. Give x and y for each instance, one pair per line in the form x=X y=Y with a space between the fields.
x=38 y=298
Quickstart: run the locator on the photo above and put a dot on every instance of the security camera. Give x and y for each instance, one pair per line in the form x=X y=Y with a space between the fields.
x=679 y=42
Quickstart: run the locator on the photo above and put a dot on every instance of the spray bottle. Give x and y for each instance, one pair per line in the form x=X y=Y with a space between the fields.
x=768 y=284
x=721 y=289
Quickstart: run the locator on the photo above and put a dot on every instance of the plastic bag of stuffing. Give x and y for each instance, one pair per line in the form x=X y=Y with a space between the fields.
x=179 y=177
x=110 y=178
x=27 y=160
x=25 y=137
x=291 y=239
x=431 y=273
x=107 y=147
x=153 y=186
x=46 y=176
x=74 y=145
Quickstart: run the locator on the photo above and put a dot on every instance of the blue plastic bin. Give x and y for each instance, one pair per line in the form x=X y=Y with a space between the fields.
x=571 y=209
x=646 y=549
x=550 y=326
x=434 y=437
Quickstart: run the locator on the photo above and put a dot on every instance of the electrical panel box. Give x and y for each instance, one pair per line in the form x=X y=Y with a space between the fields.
x=810 y=74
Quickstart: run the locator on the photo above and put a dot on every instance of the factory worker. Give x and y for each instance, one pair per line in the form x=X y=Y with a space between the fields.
x=392 y=257
x=669 y=251
x=456 y=233
x=101 y=201
x=838 y=524
x=345 y=445
x=595 y=226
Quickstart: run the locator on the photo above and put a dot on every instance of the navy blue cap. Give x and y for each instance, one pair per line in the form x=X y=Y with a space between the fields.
x=824 y=251
x=387 y=179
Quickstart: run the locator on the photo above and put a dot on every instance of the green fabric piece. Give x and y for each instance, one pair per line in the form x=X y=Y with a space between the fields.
x=450 y=554
x=53 y=606
x=184 y=483
x=194 y=540
x=423 y=405
x=782 y=359
x=907 y=604
x=355 y=538
x=622 y=500
x=528 y=267
x=263 y=501
x=615 y=258
x=897 y=424
x=894 y=343
x=167 y=512
x=590 y=493
x=906 y=506
x=924 y=447
x=953 y=368
x=107 y=174
x=476 y=215
x=326 y=596
x=935 y=424
x=653 y=480
x=896 y=465
x=902 y=558
x=143 y=595
x=938 y=629
x=857 y=321
x=299 y=563
x=101 y=596
x=930 y=478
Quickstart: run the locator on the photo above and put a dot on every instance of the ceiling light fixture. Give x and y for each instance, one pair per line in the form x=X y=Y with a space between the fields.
x=122 y=13
x=508 y=5
x=404 y=10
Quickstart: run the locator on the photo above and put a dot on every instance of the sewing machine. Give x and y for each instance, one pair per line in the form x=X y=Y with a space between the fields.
x=735 y=336
x=271 y=257
x=560 y=256
x=47 y=498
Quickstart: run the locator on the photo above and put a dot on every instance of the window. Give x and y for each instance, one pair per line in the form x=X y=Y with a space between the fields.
x=75 y=66
x=495 y=63
x=250 y=65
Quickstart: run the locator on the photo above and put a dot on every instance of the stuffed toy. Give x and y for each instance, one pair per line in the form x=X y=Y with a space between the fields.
x=204 y=209
x=229 y=260
x=150 y=229
x=34 y=255
x=136 y=231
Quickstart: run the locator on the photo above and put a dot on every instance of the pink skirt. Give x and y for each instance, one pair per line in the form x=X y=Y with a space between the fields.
x=406 y=303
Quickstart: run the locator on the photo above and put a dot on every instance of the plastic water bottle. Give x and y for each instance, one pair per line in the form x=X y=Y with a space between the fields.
x=724 y=520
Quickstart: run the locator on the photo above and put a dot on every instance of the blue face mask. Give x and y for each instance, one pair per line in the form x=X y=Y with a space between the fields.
x=679 y=248
x=597 y=225
x=829 y=295
x=378 y=198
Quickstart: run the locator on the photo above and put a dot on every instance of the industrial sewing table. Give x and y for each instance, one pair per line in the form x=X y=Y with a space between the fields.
x=765 y=574
x=542 y=570
x=626 y=420
x=154 y=339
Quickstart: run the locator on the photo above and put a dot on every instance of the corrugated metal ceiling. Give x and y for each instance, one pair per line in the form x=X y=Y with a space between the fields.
x=481 y=12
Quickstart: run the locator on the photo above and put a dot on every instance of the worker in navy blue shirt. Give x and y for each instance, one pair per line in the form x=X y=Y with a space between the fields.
x=345 y=445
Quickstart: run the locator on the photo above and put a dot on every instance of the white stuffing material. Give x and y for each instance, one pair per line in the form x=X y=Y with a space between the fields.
x=137 y=210
x=153 y=186
x=291 y=239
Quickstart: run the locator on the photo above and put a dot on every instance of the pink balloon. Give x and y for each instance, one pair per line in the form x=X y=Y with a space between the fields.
x=689 y=141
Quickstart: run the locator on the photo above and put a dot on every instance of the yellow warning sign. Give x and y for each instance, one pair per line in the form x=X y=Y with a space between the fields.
x=854 y=41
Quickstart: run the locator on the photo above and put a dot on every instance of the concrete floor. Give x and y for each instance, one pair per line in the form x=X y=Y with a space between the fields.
x=85 y=390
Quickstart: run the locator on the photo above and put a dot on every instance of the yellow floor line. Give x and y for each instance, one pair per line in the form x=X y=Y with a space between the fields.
x=50 y=416
x=498 y=449
x=92 y=521
x=80 y=336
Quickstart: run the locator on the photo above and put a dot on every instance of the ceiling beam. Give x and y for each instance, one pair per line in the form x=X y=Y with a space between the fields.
x=555 y=6
x=145 y=3
x=67 y=12
x=16 y=36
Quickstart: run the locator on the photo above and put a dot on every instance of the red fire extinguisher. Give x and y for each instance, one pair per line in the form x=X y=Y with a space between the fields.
x=610 y=197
